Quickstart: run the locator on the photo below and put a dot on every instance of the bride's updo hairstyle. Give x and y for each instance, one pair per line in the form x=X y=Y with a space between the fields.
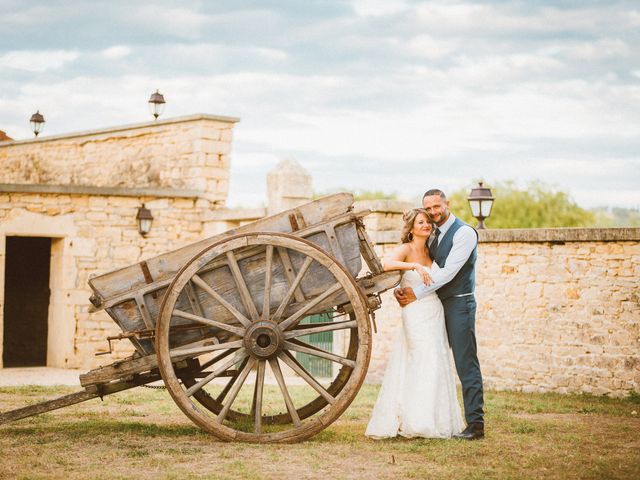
x=409 y=217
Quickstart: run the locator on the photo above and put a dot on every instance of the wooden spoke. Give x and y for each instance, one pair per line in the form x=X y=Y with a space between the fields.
x=206 y=321
x=194 y=388
x=245 y=296
x=232 y=289
x=217 y=358
x=193 y=299
x=257 y=397
x=203 y=285
x=195 y=351
x=296 y=317
x=235 y=389
x=267 y=282
x=222 y=395
x=275 y=367
x=305 y=348
x=287 y=358
x=292 y=288
x=319 y=328
x=288 y=271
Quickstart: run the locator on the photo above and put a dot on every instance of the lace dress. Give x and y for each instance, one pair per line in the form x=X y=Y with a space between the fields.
x=418 y=395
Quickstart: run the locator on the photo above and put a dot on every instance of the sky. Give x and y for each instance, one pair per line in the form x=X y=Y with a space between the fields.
x=391 y=95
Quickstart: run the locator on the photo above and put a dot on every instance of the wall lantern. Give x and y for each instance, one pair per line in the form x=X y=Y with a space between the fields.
x=480 y=201
x=156 y=104
x=144 y=218
x=37 y=122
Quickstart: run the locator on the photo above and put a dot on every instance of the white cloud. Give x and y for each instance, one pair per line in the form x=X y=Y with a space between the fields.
x=390 y=96
x=596 y=50
x=116 y=52
x=182 y=22
x=430 y=47
x=507 y=18
x=376 y=8
x=37 y=61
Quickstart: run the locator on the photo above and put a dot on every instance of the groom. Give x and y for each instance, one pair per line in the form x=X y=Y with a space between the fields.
x=453 y=246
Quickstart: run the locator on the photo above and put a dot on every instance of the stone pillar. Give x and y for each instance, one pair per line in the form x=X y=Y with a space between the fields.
x=288 y=186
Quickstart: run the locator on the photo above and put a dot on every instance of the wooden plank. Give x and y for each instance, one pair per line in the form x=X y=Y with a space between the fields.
x=143 y=289
x=288 y=271
x=74 y=398
x=165 y=266
x=296 y=317
x=336 y=251
x=126 y=368
x=193 y=299
x=367 y=251
x=266 y=302
x=144 y=311
x=241 y=285
x=292 y=288
x=48 y=406
x=203 y=285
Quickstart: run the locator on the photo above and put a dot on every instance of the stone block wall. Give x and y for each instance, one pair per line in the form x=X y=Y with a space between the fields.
x=558 y=309
x=188 y=153
x=93 y=235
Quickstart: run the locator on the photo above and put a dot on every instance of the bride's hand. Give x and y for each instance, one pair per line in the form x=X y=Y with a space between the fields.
x=422 y=271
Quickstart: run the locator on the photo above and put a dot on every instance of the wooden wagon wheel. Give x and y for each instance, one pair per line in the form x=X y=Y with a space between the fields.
x=263 y=331
x=312 y=407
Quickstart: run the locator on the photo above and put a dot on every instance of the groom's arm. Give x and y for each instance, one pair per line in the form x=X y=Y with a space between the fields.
x=464 y=241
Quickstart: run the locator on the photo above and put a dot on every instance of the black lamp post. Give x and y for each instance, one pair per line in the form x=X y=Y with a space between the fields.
x=480 y=200
x=144 y=218
x=37 y=122
x=156 y=104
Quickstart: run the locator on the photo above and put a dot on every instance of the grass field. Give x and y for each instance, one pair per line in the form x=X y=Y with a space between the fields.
x=141 y=434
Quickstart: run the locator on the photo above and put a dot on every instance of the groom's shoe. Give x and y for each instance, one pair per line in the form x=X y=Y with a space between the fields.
x=474 y=431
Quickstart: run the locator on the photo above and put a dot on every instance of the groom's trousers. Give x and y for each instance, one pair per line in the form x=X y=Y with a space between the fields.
x=460 y=317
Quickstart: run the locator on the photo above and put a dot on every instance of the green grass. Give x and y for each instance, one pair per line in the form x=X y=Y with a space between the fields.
x=142 y=434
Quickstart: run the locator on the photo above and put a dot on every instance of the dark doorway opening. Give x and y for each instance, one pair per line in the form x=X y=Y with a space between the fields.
x=26 y=301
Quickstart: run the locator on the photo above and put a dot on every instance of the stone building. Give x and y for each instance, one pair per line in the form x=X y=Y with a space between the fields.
x=558 y=309
x=72 y=201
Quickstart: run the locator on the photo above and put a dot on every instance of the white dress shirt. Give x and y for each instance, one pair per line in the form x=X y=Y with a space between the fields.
x=464 y=241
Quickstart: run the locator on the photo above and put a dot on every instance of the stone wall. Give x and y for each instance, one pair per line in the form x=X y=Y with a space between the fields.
x=558 y=309
x=92 y=235
x=189 y=153
x=83 y=190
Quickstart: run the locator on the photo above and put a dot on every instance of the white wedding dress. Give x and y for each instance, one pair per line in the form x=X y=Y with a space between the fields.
x=418 y=393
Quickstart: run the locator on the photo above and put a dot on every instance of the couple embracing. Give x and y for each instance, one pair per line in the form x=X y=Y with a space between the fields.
x=418 y=395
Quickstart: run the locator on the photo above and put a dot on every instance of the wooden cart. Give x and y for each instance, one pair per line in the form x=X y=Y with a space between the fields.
x=208 y=318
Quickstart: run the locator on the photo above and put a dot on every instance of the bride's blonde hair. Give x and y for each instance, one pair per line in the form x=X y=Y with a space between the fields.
x=409 y=217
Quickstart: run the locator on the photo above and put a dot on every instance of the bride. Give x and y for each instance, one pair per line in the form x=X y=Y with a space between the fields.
x=418 y=393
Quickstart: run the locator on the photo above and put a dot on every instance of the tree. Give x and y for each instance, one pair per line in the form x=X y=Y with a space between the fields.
x=537 y=206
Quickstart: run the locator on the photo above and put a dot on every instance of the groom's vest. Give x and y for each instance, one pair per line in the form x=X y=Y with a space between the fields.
x=464 y=281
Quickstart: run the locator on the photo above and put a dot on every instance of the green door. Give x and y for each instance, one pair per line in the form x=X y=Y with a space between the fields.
x=316 y=366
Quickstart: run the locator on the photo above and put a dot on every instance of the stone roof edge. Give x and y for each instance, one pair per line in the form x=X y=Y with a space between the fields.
x=237 y=214
x=120 y=128
x=101 y=191
x=560 y=235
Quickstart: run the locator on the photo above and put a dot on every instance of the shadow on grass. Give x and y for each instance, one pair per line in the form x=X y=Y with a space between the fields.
x=93 y=428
